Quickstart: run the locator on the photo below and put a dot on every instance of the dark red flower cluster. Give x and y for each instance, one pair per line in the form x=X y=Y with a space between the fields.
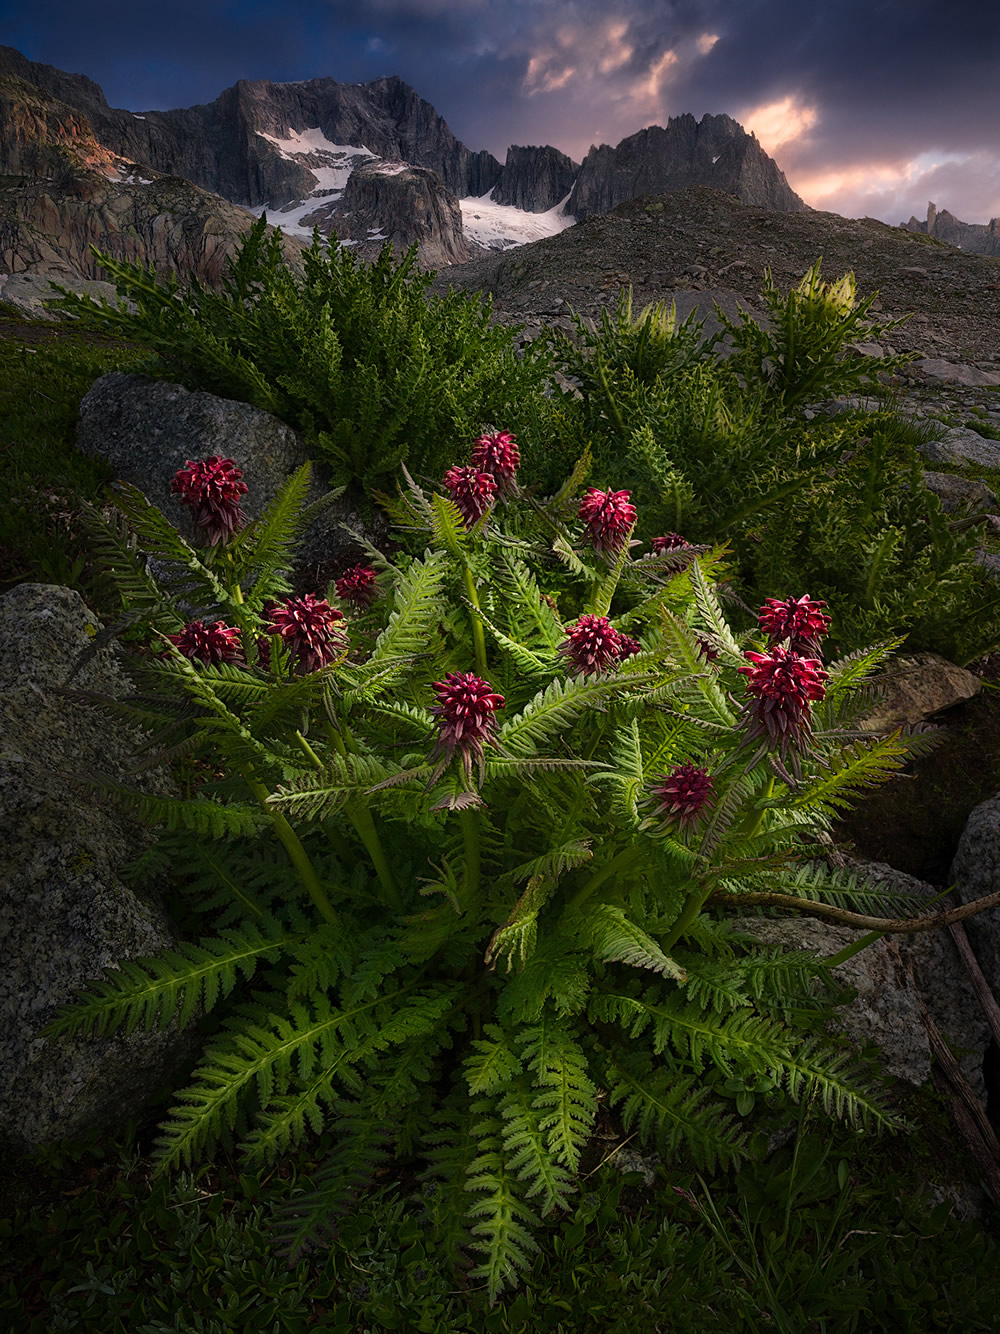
x=707 y=650
x=609 y=516
x=499 y=456
x=357 y=586
x=799 y=620
x=592 y=645
x=472 y=491
x=685 y=793
x=782 y=684
x=212 y=487
x=627 y=647
x=308 y=626
x=465 y=708
x=213 y=643
x=669 y=542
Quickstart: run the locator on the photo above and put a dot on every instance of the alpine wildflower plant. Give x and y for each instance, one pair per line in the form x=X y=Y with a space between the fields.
x=463 y=897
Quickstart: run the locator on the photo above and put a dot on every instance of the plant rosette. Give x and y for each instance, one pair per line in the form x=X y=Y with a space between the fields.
x=476 y=862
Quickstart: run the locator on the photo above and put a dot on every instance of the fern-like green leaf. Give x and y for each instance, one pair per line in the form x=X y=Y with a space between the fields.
x=151 y=991
x=566 y=1096
x=615 y=939
x=502 y=1223
x=493 y=1062
x=671 y=1110
x=850 y=772
x=415 y=609
x=551 y=711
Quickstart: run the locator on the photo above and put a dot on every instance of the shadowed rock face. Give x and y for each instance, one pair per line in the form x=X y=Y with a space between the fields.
x=401 y=204
x=535 y=179
x=715 y=151
x=219 y=145
x=169 y=224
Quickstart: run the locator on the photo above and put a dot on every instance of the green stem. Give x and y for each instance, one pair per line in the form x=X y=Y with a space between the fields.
x=617 y=863
x=308 y=752
x=758 y=821
x=478 y=634
x=470 y=837
x=692 y=907
x=361 y=818
x=296 y=852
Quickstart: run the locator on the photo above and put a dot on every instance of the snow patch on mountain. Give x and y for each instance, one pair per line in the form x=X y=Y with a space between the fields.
x=331 y=164
x=502 y=226
x=485 y=223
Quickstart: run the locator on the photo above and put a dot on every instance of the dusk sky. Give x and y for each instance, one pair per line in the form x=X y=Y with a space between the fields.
x=870 y=107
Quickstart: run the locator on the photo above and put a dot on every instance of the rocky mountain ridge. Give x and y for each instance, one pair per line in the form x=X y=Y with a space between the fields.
x=294 y=149
x=979 y=238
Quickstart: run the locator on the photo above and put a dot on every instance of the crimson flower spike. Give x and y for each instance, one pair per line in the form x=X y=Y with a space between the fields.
x=609 y=516
x=593 y=645
x=499 y=456
x=782 y=685
x=799 y=620
x=472 y=491
x=465 y=708
x=212 y=487
x=684 y=794
x=213 y=643
x=358 y=587
x=309 y=628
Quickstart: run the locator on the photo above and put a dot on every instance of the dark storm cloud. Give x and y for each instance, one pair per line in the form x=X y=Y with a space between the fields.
x=865 y=105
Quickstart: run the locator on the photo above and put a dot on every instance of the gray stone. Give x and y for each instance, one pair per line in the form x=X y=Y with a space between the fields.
x=975 y=873
x=147 y=429
x=957 y=493
x=936 y=368
x=917 y=687
x=963 y=446
x=892 y=977
x=28 y=292
x=65 y=913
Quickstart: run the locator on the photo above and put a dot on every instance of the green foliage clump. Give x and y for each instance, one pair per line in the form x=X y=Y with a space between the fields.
x=448 y=939
x=371 y=369
x=44 y=476
x=741 y=449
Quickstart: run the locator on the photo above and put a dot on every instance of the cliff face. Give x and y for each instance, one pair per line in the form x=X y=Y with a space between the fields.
x=63 y=190
x=168 y=224
x=715 y=152
x=365 y=162
x=398 y=203
x=535 y=179
x=979 y=238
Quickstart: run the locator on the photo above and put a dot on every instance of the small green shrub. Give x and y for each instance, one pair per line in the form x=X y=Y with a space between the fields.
x=357 y=356
x=721 y=449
